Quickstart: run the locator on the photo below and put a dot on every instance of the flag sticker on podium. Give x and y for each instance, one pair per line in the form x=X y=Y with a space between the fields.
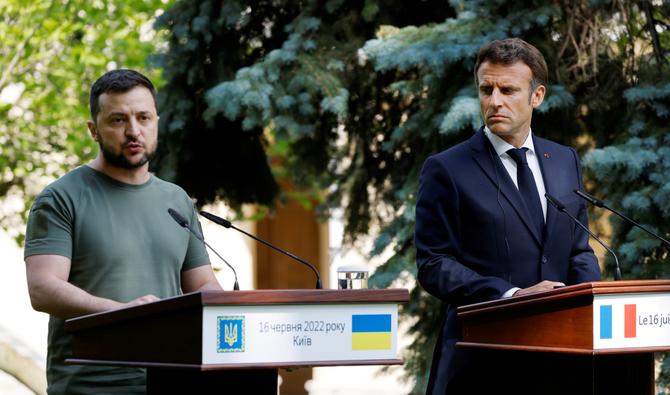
x=630 y=316
x=629 y=321
x=230 y=333
x=606 y=321
x=371 y=332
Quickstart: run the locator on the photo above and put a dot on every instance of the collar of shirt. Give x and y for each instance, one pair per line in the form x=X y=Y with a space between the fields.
x=501 y=146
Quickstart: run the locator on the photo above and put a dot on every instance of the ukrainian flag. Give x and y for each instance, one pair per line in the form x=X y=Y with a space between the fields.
x=371 y=332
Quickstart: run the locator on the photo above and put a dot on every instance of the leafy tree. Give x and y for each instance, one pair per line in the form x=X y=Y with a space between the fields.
x=51 y=53
x=349 y=97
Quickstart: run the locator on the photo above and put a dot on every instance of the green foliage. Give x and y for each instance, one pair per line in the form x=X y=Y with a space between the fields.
x=463 y=112
x=347 y=97
x=51 y=53
x=632 y=171
x=559 y=98
x=634 y=176
x=350 y=97
x=216 y=73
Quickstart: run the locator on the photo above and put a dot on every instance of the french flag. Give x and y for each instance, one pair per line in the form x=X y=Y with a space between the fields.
x=629 y=321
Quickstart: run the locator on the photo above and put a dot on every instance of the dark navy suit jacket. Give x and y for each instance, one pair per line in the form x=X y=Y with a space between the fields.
x=475 y=239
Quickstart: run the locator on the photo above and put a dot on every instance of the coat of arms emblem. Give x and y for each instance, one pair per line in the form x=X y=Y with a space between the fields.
x=230 y=333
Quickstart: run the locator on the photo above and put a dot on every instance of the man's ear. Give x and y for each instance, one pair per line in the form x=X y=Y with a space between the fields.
x=92 y=129
x=538 y=96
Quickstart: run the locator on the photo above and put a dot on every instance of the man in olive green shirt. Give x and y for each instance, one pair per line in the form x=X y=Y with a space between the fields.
x=100 y=237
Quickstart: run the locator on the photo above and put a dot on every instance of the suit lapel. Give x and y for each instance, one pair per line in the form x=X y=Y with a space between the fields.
x=487 y=159
x=547 y=166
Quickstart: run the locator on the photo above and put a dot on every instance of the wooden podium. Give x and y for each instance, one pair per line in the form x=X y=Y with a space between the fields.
x=235 y=341
x=592 y=338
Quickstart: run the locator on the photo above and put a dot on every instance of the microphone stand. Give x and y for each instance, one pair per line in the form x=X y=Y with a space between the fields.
x=184 y=224
x=599 y=203
x=227 y=224
x=561 y=207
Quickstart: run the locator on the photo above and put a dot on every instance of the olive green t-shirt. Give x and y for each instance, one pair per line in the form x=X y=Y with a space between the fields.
x=122 y=244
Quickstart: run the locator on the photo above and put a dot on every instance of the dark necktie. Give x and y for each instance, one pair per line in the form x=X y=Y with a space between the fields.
x=527 y=187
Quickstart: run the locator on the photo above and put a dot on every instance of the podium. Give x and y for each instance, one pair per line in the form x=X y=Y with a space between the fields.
x=235 y=341
x=592 y=338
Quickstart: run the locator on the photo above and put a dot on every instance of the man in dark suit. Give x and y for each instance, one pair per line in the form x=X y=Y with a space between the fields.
x=483 y=228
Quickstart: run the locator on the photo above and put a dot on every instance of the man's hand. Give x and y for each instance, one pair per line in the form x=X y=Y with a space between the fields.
x=545 y=285
x=141 y=300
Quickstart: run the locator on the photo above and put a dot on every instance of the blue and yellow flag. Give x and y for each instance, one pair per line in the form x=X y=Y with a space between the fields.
x=371 y=332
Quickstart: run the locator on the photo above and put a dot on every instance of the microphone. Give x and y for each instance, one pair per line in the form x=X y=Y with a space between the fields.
x=227 y=224
x=599 y=203
x=183 y=222
x=561 y=207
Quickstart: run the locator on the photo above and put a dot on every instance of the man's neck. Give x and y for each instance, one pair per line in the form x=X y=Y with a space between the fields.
x=500 y=144
x=516 y=140
x=135 y=176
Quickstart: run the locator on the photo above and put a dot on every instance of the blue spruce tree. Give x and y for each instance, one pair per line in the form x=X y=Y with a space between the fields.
x=354 y=95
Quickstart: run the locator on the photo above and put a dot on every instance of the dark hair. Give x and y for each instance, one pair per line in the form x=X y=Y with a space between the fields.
x=510 y=51
x=118 y=81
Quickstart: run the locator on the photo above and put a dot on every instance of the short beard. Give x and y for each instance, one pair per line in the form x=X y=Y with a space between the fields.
x=120 y=161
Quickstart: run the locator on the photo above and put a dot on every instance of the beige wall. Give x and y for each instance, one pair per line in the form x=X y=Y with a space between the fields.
x=294 y=229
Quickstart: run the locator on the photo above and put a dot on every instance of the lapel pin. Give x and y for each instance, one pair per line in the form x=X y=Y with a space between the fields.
x=547 y=155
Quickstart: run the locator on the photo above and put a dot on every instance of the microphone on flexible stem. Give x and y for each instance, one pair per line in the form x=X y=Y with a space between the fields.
x=184 y=224
x=599 y=203
x=227 y=224
x=561 y=207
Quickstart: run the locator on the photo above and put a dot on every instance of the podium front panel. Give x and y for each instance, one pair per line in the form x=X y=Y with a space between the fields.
x=598 y=318
x=294 y=334
x=631 y=321
x=222 y=330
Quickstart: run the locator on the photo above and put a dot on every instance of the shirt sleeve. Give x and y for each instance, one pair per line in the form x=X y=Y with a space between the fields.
x=49 y=230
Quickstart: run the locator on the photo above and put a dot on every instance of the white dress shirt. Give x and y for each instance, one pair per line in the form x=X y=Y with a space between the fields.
x=501 y=147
